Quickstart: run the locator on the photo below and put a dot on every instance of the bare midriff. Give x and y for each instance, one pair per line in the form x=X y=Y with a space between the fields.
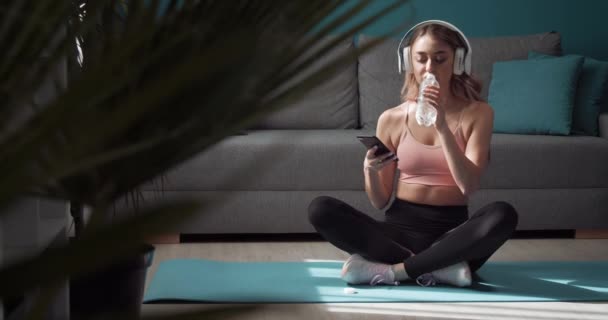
x=433 y=195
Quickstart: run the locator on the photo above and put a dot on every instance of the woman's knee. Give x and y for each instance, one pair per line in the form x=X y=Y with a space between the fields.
x=497 y=217
x=504 y=215
x=321 y=208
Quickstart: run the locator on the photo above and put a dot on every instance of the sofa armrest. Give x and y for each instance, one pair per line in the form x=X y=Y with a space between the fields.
x=603 y=125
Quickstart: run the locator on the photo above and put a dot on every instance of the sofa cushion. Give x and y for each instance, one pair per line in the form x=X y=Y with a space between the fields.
x=591 y=94
x=603 y=125
x=487 y=51
x=257 y=211
x=528 y=101
x=550 y=209
x=276 y=160
x=380 y=82
x=332 y=105
x=543 y=161
x=290 y=160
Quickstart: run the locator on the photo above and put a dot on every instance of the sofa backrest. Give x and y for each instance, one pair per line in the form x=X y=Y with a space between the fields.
x=380 y=83
x=332 y=105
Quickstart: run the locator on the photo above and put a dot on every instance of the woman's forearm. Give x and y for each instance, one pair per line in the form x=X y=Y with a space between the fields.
x=376 y=189
x=465 y=172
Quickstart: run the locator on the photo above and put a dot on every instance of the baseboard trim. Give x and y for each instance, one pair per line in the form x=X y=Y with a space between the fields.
x=289 y=237
x=250 y=237
x=170 y=238
x=543 y=234
x=591 y=234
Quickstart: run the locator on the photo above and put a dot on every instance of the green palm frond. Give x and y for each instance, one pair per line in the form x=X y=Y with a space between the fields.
x=159 y=82
x=153 y=81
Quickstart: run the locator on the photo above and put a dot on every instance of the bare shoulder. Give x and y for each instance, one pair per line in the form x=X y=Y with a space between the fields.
x=390 y=123
x=394 y=114
x=478 y=113
x=479 y=110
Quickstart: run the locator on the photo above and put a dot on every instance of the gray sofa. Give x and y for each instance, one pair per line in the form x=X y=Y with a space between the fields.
x=268 y=176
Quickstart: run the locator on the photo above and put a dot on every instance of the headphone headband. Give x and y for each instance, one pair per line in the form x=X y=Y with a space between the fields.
x=467 y=58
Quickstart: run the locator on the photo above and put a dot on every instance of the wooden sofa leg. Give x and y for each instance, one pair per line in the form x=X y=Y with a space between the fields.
x=169 y=238
x=591 y=234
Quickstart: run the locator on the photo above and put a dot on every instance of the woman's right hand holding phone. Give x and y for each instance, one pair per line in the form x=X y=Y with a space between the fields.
x=376 y=163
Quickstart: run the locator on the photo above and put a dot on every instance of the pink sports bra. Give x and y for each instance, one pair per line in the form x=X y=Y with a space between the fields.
x=422 y=163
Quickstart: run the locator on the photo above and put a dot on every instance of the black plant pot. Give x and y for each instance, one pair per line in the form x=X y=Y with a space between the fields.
x=117 y=289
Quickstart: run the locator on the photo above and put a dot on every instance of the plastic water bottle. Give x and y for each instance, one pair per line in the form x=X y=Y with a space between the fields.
x=426 y=115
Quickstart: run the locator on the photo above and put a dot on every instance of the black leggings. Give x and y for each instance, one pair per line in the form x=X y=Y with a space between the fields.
x=439 y=236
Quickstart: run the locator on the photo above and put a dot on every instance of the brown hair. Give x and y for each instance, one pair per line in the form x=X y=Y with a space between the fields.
x=464 y=86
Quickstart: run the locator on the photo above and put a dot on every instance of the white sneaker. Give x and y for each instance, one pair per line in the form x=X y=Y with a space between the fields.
x=357 y=270
x=458 y=275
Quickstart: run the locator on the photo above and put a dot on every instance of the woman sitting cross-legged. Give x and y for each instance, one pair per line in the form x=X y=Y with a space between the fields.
x=427 y=233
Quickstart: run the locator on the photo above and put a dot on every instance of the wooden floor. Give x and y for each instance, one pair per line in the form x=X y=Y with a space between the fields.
x=513 y=250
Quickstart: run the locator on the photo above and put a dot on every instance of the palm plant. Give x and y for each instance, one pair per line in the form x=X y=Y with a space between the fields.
x=163 y=81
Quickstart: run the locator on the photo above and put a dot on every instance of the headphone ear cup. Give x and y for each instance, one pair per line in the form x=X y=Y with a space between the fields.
x=459 y=61
x=407 y=63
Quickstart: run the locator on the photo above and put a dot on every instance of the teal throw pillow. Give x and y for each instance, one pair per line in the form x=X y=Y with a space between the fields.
x=534 y=96
x=591 y=94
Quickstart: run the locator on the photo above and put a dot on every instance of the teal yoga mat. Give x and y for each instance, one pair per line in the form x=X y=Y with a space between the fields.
x=197 y=280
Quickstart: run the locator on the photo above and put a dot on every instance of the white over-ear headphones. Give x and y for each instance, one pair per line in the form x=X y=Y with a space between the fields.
x=462 y=56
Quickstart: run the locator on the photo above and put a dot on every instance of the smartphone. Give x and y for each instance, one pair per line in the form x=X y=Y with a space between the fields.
x=371 y=141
